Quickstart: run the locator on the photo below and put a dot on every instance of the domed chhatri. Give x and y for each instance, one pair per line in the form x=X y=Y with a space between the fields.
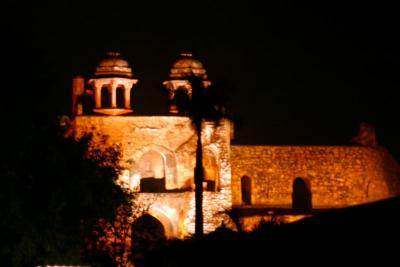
x=113 y=65
x=187 y=66
x=181 y=70
x=112 y=84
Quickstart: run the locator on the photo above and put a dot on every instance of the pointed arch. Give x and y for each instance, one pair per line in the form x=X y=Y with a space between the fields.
x=159 y=161
x=152 y=172
x=147 y=234
x=169 y=218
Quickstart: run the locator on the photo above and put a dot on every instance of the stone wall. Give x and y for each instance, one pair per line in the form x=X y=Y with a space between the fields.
x=176 y=211
x=174 y=138
x=338 y=175
x=138 y=135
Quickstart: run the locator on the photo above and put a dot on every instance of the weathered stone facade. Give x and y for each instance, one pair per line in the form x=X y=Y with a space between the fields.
x=158 y=158
x=174 y=139
x=338 y=176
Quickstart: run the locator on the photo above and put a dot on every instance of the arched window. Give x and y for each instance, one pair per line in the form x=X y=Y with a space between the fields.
x=245 y=182
x=152 y=172
x=301 y=195
x=105 y=98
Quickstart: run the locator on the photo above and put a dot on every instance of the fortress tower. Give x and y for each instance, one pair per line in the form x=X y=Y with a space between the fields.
x=185 y=66
x=111 y=87
x=158 y=157
x=158 y=152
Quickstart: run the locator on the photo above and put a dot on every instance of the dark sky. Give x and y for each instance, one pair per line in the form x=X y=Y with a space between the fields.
x=300 y=72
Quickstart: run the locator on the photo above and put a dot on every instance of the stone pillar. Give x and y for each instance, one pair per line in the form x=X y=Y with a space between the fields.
x=113 y=94
x=112 y=85
x=127 y=90
x=172 y=86
x=97 y=95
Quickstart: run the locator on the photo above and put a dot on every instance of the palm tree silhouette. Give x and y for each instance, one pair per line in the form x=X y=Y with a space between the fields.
x=204 y=102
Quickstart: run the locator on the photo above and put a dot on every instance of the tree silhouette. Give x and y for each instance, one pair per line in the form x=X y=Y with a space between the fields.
x=53 y=190
x=109 y=243
x=204 y=102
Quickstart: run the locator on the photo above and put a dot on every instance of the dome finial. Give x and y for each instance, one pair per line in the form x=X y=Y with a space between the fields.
x=186 y=54
x=113 y=54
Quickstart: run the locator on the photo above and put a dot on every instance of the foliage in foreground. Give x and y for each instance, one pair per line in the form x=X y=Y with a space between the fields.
x=52 y=192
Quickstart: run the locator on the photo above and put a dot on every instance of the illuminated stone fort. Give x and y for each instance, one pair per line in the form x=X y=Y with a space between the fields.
x=158 y=157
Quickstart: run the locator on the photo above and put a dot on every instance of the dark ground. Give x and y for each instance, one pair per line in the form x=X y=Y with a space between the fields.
x=365 y=234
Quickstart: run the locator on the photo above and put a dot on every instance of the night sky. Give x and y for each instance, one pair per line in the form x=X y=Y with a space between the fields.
x=298 y=72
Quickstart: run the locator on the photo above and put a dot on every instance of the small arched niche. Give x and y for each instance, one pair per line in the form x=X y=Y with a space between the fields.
x=245 y=183
x=301 y=195
x=211 y=171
